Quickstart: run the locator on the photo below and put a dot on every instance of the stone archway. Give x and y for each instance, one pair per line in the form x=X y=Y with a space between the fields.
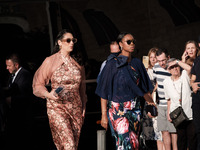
x=17 y=21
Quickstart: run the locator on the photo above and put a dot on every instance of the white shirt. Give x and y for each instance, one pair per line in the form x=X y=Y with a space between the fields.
x=150 y=73
x=173 y=92
x=16 y=74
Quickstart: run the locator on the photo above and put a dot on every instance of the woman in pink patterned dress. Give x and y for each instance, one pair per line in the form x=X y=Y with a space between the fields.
x=65 y=110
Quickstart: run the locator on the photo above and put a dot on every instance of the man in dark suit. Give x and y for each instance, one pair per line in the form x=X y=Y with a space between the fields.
x=19 y=98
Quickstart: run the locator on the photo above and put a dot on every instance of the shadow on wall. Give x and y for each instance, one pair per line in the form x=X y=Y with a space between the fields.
x=181 y=11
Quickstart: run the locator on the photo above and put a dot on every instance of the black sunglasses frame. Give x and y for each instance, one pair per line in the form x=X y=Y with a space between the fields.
x=172 y=67
x=130 y=41
x=68 y=40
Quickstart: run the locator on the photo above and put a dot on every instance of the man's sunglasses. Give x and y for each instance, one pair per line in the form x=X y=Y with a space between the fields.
x=68 y=40
x=130 y=41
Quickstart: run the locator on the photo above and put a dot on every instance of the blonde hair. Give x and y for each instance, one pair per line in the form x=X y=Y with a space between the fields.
x=152 y=50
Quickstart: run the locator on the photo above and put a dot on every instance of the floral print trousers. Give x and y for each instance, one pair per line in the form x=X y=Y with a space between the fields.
x=124 y=121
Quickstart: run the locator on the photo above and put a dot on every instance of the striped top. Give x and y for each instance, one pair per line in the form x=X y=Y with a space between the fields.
x=160 y=74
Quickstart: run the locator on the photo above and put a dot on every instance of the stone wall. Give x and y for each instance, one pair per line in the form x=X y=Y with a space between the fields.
x=147 y=20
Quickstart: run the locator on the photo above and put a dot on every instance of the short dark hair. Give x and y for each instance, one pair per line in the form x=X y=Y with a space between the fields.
x=160 y=51
x=122 y=35
x=14 y=57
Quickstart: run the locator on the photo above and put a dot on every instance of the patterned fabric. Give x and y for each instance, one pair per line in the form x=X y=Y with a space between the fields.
x=124 y=121
x=65 y=115
x=123 y=84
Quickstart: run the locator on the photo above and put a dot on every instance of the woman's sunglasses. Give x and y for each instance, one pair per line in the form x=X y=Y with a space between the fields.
x=68 y=40
x=130 y=41
x=172 y=67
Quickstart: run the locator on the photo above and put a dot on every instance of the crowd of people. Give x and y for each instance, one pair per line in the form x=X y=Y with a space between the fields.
x=167 y=83
x=135 y=100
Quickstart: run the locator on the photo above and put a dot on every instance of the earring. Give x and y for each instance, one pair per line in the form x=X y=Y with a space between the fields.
x=60 y=46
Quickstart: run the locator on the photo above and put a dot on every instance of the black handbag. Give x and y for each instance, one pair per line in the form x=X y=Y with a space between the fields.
x=152 y=109
x=178 y=115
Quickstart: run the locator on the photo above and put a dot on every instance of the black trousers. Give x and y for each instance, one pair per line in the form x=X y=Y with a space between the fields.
x=196 y=115
x=186 y=136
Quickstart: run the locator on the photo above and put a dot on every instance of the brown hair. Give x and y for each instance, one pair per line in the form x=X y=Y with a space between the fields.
x=190 y=61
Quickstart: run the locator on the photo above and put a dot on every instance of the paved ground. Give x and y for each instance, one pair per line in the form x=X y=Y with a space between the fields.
x=88 y=139
x=42 y=139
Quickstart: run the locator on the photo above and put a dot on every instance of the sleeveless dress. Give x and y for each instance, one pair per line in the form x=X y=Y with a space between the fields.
x=65 y=114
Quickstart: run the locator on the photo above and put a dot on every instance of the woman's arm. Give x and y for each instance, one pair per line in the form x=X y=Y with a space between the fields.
x=194 y=84
x=148 y=98
x=83 y=90
x=184 y=66
x=104 y=118
x=41 y=79
x=168 y=110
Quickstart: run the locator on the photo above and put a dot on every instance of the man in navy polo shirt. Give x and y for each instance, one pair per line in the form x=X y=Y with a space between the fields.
x=195 y=83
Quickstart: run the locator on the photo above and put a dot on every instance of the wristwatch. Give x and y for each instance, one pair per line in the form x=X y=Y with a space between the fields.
x=177 y=61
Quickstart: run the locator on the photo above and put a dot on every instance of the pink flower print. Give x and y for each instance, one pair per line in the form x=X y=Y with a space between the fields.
x=113 y=109
x=58 y=74
x=121 y=125
x=70 y=106
x=116 y=105
x=134 y=140
x=111 y=114
x=127 y=105
x=66 y=68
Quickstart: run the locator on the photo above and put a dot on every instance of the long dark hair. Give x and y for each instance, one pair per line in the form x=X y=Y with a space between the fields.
x=75 y=54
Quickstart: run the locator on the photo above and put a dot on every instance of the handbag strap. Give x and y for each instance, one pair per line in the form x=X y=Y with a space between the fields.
x=180 y=100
